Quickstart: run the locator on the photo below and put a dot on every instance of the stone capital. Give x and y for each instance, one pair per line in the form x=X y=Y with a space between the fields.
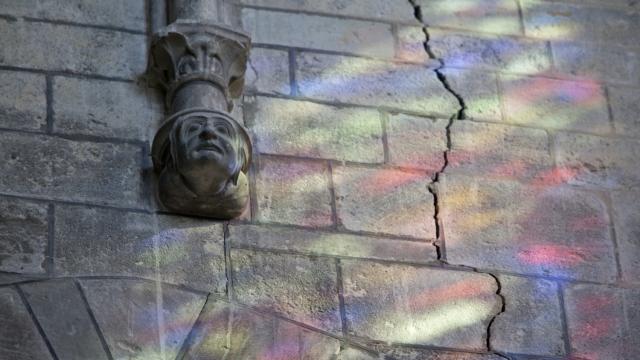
x=187 y=52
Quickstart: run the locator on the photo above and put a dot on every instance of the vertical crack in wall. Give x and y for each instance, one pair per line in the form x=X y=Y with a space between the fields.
x=459 y=115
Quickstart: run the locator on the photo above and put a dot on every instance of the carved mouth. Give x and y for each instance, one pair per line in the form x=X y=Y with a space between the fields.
x=211 y=147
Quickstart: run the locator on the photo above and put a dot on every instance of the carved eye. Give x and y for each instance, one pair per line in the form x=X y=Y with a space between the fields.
x=193 y=128
x=222 y=129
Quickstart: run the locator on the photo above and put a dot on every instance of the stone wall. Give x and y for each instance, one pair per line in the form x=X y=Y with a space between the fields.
x=431 y=180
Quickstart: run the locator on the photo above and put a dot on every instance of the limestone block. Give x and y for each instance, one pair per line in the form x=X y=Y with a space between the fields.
x=301 y=128
x=384 y=201
x=479 y=89
x=23 y=236
x=496 y=150
x=228 y=331
x=627 y=225
x=23 y=104
x=462 y=50
x=53 y=167
x=597 y=61
x=127 y=14
x=578 y=22
x=416 y=142
x=63 y=315
x=410 y=47
x=421 y=306
x=600 y=161
x=555 y=104
x=293 y=192
x=268 y=71
x=493 y=16
x=532 y=321
x=104 y=108
x=54 y=47
x=315 y=242
x=595 y=321
x=625 y=107
x=93 y=241
x=373 y=83
x=388 y=10
x=140 y=319
x=526 y=228
x=300 y=288
x=408 y=353
x=319 y=32
x=18 y=334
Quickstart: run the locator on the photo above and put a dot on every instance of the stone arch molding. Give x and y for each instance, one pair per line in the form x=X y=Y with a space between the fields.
x=201 y=154
x=133 y=318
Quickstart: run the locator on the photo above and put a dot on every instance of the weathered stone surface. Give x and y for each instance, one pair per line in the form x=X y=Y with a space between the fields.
x=47 y=166
x=405 y=353
x=578 y=22
x=625 y=107
x=23 y=236
x=410 y=46
x=67 y=48
x=417 y=142
x=141 y=320
x=22 y=107
x=555 y=104
x=92 y=241
x=384 y=201
x=62 y=314
x=388 y=10
x=625 y=217
x=532 y=321
x=10 y=278
x=330 y=243
x=596 y=322
x=497 y=150
x=128 y=14
x=293 y=192
x=104 y=108
x=599 y=161
x=303 y=128
x=301 y=288
x=631 y=299
x=254 y=336
x=612 y=3
x=490 y=52
x=594 y=61
x=356 y=354
x=19 y=337
x=423 y=306
x=268 y=71
x=373 y=83
x=493 y=16
x=507 y=225
x=319 y=32
x=479 y=89
x=191 y=252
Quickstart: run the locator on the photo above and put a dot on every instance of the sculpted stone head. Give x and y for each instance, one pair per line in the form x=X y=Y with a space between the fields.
x=202 y=157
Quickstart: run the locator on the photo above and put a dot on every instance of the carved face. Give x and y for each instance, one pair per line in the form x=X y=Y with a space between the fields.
x=206 y=149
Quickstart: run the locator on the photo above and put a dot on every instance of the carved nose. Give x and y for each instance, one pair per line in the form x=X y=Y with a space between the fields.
x=208 y=134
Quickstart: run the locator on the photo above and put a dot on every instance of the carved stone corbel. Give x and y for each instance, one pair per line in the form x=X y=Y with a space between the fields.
x=200 y=153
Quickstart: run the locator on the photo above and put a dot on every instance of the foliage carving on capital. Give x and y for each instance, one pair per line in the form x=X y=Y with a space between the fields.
x=185 y=52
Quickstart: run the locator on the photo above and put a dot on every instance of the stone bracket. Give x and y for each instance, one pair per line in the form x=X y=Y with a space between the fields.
x=200 y=153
